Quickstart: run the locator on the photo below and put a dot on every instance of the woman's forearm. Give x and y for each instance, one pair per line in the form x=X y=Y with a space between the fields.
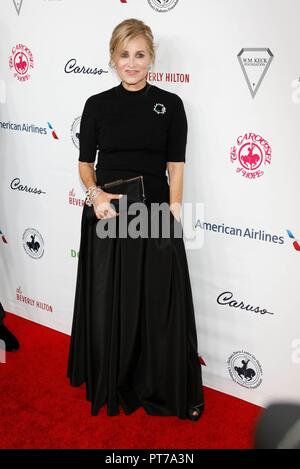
x=175 y=172
x=87 y=174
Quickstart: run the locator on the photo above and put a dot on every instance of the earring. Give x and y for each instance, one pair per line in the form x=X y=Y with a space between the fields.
x=149 y=67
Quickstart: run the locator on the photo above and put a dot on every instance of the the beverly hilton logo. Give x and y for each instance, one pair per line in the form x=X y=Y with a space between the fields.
x=32 y=301
x=251 y=154
x=21 y=62
x=254 y=63
x=73 y=200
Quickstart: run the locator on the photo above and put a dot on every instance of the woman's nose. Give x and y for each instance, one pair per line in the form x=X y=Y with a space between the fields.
x=131 y=62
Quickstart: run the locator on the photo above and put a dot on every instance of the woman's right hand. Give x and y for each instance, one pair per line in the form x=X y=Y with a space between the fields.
x=102 y=206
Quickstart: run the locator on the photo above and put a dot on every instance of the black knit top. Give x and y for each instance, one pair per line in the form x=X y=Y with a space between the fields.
x=134 y=132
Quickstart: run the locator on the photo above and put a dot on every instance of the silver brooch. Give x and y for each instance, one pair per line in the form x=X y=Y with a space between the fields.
x=159 y=108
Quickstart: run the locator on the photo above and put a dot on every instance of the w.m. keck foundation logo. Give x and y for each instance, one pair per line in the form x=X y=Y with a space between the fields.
x=254 y=63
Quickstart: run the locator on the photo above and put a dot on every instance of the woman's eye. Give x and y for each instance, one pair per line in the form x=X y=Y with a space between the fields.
x=126 y=55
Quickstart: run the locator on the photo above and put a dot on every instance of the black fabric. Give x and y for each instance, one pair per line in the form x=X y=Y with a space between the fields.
x=134 y=336
x=130 y=135
x=133 y=339
x=2 y=314
x=11 y=342
x=133 y=129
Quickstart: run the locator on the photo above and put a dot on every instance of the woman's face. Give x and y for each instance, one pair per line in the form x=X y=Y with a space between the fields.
x=132 y=61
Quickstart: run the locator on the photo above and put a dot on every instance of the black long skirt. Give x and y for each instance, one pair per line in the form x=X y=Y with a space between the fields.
x=133 y=339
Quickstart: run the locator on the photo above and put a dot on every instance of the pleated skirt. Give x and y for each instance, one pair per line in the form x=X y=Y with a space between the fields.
x=133 y=340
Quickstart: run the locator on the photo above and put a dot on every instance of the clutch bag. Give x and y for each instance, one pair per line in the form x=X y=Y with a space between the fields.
x=132 y=187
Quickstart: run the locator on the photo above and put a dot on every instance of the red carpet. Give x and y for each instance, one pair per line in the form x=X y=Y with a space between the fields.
x=39 y=409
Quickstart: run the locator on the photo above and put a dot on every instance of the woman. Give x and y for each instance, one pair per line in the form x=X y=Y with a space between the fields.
x=133 y=338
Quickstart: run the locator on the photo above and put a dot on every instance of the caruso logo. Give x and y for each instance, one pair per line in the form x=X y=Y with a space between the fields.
x=162 y=6
x=295 y=241
x=251 y=154
x=16 y=185
x=21 y=62
x=226 y=299
x=254 y=63
x=72 y=67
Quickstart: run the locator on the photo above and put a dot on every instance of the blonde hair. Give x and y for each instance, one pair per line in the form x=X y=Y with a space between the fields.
x=127 y=30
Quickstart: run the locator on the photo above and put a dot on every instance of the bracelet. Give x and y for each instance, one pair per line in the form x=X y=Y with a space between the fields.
x=91 y=193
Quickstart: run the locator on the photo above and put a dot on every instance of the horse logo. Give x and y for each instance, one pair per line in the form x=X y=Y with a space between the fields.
x=245 y=369
x=21 y=61
x=33 y=243
x=250 y=156
x=252 y=153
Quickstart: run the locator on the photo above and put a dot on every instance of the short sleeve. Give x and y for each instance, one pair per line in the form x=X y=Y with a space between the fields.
x=177 y=133
x=87 y=134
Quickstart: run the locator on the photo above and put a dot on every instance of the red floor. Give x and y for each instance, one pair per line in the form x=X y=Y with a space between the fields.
x=39 y=409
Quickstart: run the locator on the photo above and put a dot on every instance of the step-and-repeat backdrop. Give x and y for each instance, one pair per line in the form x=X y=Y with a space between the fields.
x=236 y=67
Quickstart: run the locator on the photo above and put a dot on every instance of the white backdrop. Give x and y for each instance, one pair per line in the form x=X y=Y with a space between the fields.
x=236 y=66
